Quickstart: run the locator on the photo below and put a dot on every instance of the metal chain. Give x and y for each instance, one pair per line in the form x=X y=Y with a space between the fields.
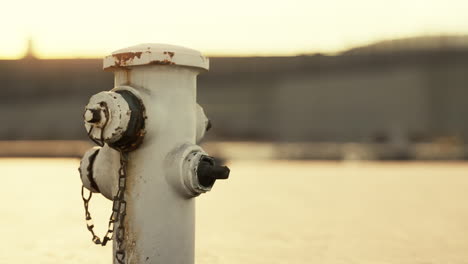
x=119 y=207
x=119 y=212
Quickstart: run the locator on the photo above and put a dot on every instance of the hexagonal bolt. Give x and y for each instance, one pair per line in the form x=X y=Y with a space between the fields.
x=92 y=115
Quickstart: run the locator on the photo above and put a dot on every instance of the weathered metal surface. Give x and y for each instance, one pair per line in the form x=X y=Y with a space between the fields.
x=106 y=171
x=155 y=54
x=203 y=123
x=86 y=169
x=160 y=221
x=132 y=136
x=116 y=118
x=181 y=170
x=165 y=169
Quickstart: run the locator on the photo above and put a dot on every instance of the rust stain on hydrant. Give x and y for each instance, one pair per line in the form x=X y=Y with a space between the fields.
x=122 y=59
x=162 y=62
x=170 y=53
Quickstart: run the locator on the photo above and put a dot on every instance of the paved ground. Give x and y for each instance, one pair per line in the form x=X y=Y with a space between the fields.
x=268 y=212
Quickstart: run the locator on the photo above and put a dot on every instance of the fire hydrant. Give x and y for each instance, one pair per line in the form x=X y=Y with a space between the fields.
x=148 y=162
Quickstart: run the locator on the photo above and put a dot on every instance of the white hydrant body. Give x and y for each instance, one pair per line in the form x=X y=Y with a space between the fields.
x=163 y=165
x=160 y=221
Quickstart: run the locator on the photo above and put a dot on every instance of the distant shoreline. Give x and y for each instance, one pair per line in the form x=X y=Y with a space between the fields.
x=245 y=150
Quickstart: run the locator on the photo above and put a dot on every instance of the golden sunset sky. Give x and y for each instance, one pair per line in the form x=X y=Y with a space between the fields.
x=93 y=28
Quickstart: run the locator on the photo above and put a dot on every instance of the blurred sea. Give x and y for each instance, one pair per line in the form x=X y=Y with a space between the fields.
x=267 y=212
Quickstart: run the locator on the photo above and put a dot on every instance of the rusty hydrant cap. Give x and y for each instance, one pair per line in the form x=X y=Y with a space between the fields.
x=155 y=54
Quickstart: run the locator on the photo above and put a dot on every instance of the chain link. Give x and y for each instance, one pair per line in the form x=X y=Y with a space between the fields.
x=119 y=207
x=121 y=204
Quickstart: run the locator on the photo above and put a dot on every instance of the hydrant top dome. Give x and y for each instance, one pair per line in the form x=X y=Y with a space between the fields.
x=155 y=54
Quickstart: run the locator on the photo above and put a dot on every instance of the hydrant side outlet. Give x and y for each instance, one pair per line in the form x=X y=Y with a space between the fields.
x=116 y=118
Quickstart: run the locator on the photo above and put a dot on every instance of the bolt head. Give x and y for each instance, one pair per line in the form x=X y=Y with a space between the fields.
x=208 y=125
x=92 y=115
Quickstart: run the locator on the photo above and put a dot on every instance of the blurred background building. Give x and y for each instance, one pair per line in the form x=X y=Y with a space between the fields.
x=391 y=94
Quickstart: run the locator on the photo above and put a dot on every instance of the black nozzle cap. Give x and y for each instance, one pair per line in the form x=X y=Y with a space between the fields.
x=220 y=172
x=208 y=172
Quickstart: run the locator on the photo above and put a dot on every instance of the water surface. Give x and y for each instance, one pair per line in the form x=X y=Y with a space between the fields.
x=268 y=212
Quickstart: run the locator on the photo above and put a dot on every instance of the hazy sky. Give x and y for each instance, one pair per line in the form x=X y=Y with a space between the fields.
x=91 y=28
